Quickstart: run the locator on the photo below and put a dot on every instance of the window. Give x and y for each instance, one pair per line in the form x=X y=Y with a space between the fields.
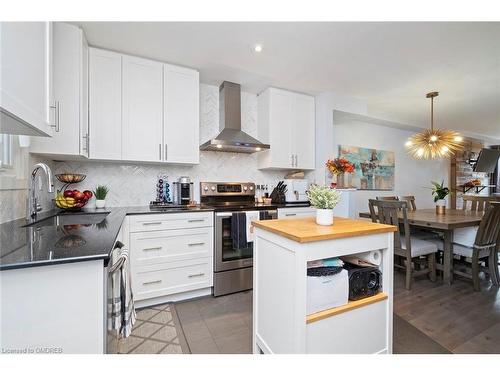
x=5 y=151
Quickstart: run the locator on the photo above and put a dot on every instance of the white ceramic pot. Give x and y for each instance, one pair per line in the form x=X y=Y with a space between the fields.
x=100 y=203
x=441 y=202
x=324 y=216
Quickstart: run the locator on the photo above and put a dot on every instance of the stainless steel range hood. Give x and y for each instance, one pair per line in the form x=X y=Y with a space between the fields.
x=231 y=138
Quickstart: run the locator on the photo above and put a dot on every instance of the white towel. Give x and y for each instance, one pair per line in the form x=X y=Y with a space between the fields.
x=121 y=309
x=251 y=216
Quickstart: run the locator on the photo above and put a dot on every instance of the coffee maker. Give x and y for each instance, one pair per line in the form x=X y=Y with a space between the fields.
x=183 y=191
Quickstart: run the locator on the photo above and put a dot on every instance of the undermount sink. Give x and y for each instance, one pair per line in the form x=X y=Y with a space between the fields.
x=71 y=219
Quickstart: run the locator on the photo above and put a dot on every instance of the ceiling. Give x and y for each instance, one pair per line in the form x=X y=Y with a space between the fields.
x=389 y=65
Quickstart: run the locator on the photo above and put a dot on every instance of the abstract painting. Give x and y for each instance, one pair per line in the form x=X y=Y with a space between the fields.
x=373 y=169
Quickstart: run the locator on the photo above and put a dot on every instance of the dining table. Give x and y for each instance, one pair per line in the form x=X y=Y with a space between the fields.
x=444 y=223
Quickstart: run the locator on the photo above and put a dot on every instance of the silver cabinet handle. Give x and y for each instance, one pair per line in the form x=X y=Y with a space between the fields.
x=86 y=146
x=152 y=223
x=195 y=220
x=196 y=244
x=151 y=282
x=159 y=149
x=56 y=118
x=292 y=160
x=152 y=248
x=290 y=214
x=196 y=275
x=166 y=152
x=296 y=160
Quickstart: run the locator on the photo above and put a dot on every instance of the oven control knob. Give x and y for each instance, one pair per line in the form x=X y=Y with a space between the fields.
x=213 y=188
x=245 y=188
x=205 y=188
x=251 y=188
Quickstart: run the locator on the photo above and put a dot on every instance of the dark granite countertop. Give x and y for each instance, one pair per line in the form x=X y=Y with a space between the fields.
x=61 y=237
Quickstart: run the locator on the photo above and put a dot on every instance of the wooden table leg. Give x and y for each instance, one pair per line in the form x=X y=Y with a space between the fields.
x=448 y=257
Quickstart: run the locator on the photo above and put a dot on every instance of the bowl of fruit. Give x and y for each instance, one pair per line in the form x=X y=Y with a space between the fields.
x=72 y=199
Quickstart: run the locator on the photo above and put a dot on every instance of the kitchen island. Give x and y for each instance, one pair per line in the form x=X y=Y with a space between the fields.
x=281 y=323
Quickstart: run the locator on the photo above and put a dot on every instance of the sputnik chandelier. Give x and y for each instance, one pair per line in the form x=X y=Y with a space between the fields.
x=434 y=143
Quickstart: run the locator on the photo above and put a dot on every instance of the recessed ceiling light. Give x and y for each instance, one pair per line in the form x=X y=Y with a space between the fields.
x=258 y=48
x=257 y=149
x=219 y=146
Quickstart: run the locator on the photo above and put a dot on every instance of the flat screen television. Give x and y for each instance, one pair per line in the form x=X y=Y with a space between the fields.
x=487 y=160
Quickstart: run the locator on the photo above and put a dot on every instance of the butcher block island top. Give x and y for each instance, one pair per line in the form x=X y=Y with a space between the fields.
x=306 y=230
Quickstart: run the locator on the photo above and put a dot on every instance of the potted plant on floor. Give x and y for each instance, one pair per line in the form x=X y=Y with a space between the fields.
x=341 y=168
x=100 y=192
x=325 y=200
x=440 y=192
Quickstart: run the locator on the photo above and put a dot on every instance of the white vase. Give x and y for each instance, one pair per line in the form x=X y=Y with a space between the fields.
x=100 y=203
x=324 y=216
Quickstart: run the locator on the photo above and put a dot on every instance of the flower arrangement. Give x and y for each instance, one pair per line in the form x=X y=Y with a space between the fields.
x=323 y=197
x=339 y=165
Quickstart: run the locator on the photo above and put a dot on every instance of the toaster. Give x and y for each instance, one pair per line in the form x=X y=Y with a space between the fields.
x=296 y=190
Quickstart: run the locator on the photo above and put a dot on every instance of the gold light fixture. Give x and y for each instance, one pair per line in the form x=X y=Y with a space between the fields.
x=434 y=143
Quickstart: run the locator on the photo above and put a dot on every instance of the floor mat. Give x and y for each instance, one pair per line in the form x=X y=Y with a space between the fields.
x=156 y=331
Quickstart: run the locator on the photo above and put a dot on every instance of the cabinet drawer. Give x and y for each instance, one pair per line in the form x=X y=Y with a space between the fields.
x=170 y=278
x=154 y=222
x=148 y=248
x=295 y=212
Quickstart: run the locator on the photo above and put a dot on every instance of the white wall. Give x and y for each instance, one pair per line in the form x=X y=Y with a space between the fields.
x=412 y=177
x=325 y=104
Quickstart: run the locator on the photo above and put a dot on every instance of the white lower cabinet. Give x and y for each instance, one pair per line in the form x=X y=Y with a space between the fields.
x=170 y=254
x=295 y=212
x=171 y=278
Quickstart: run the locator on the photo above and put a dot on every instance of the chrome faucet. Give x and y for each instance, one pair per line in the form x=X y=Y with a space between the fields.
x=33 y=207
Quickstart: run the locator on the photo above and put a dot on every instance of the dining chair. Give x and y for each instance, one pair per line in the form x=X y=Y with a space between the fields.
x=406 y=246
x=410 y=199
x=484 y=247
x=388 y=198
x=478 y=202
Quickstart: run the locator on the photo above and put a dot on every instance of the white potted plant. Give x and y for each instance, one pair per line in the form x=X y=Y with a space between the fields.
x=100 y=192
x=324 y=200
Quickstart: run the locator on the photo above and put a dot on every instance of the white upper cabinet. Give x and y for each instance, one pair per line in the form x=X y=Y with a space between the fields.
x=142 y=122
x=286 y=121
x=25 y=63
x=105 y=104
x=181 y=115
x=303 y=131
x=69 y=91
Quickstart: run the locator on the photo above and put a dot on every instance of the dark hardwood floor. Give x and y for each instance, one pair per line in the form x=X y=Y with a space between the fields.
x=456 y=317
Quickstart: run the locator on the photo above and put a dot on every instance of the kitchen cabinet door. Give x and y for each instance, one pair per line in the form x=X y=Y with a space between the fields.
x=69 y=90
x=105 y=111
x=303 y=133
x=25 y=68
x=84 y=100
x=142 y=108
x=181 y=126
x=275 y=120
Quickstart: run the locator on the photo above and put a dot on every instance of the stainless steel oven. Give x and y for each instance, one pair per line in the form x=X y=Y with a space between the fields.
x=233 y=267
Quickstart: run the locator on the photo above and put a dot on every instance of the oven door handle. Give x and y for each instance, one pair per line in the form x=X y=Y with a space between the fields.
x=224 y=214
